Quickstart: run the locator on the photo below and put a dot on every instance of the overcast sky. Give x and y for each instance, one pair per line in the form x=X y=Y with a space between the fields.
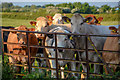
x=59 y=0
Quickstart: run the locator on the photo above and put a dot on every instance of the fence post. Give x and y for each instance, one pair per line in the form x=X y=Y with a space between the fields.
x=86 y=49
x=2 y=46
x=56 y=56
x=28 y=51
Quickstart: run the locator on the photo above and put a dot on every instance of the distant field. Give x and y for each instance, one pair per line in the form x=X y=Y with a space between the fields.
x=110 y=23
x=18 y=22
x=15 y=22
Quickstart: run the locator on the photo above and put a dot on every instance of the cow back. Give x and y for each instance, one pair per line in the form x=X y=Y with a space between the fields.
x=111 y=43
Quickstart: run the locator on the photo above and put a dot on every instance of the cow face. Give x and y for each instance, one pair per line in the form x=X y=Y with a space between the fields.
x=57 y=19
x=21 y=36
x=77 y=22
x=22 y=39
x=41 y=24
x=62 y=41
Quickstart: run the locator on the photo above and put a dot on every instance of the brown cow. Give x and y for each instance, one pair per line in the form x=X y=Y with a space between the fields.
x=112 y=43
x=44 y=25
x=94 y=20
x=21 y=38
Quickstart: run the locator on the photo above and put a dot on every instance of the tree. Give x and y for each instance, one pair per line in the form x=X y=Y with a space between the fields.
x=33 y=7
x=7 y=5
x=105 y=8
x=47 y=5
x=86 y=8
x=77 y=5
x=93 y=9
x=26 y=6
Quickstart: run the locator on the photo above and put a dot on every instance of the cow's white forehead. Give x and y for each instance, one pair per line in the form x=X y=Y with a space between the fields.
x=57 y=16
x=76 y=17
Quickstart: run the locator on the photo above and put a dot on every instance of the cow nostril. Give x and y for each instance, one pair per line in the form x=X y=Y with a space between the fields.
x=60 y=50
x=23 y=42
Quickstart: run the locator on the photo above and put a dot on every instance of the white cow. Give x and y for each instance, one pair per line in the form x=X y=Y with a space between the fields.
x=62 y=41
x=79 y=26
x=57 y=19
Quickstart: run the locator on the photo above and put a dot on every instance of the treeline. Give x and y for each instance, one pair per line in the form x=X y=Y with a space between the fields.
x=75 y=7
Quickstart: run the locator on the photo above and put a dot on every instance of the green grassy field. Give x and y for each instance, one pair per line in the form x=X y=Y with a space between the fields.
x=15 y=22
x=106 y=23
x=18 y=22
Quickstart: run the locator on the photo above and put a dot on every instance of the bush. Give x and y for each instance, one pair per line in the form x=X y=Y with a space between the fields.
x=7 y=72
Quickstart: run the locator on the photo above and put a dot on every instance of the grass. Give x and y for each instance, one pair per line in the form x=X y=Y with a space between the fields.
x=15 y=22
x=106 y=23
x=18 y=22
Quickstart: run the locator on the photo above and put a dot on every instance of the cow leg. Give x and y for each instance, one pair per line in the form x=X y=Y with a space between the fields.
x=84 y=69
x=73 y=68
x=33 y=69
x=13 y=61
x=105 y=69
x=52 y=65
x=96 y=66
x=62 y=73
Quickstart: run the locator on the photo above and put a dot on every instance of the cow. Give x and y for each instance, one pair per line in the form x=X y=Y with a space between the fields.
x=57 y=19
x=93 y=20
x=79 y=26
x=62 y=41
x=5 y=35
x=21 y=38
x=112 y=43
x=43 y=25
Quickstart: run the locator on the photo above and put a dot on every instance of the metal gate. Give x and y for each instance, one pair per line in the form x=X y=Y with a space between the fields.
x=87 y=37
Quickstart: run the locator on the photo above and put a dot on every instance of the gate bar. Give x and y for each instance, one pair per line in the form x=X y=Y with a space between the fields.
x=56 y=55
x=28 y=51
x=87 y=61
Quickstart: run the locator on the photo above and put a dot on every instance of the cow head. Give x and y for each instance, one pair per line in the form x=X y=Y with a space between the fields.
x=77 y=22
x=50 y=18
x=21 y=36
x=57 y=19
x=113 y=29
x=41 y=24
x=62 y=41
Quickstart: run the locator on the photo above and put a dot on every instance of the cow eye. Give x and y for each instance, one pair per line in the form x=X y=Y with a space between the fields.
x=46 y=26
x=65 y=39
x=71 y=23
x=81 y=23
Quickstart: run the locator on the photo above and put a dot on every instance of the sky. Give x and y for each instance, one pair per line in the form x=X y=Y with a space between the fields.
x=59 y=0
x=98 y=3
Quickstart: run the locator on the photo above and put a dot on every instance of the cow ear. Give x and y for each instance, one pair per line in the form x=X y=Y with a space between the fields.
x=50 y=18
x=88 y=19
x=49 y=23
x=99 y=19
x=50 y=35
x=33 y=23
x=119 y=29
x=13 y=31
x=114 y=29
x=66 y=19
x=31 y=29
